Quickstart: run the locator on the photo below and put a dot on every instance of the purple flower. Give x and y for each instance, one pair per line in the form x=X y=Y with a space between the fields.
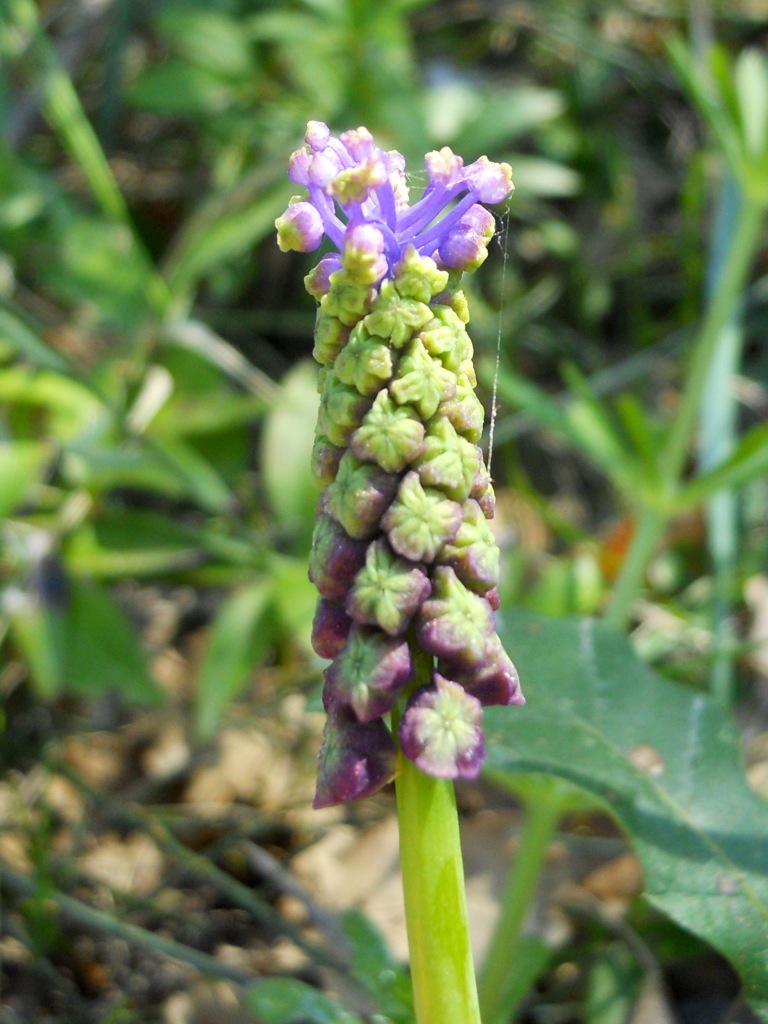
x=352 y=182
x=356 y=758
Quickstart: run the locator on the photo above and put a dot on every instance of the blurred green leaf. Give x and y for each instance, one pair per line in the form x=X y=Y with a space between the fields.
x=749 y=461
x=103 y=651
x=29 y=345
x=611 y=987
x=295 y=598
x=665 y=759
x=207 y=38
x=240 y=637
x=21 y=464
x=179 y=89
x=377 y=970
x=286 y=452
x=39 y=632
x=535 y=176
x=285 y=1001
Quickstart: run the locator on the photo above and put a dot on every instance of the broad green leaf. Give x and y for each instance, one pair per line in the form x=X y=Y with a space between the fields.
x=286 y=452
x=103 y=651
x=664 y=759
x=209 y=39
x=285 y=1001
x=239 y=638
x=748 y=462
x=21 y=464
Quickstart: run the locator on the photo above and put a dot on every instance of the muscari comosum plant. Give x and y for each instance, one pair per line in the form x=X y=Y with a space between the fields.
x=403 y=555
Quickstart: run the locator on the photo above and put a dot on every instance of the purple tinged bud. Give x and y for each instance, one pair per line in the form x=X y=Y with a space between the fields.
x=465 y=411
x=298 y=167
x=369 y=673
x=364 y=256
x=318 y=281
x=420 y=521
x=318 y=135
x=479 y=220
x=387 y=591
x=355 y=184
x=492 y=182
x=330 y=629
x=358 y=142
x=473 y=553
x=454 y=624
x=463 y=250
x=334 y=559
x=444 y=167
x=359 y=496
x=356 y=758
x=325 y=460
x=324 y=168
x=493 y=598
x=300 y=229
x=494 y=680
x=441 y=731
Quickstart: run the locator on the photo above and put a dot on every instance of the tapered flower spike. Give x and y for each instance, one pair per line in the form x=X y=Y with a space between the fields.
x=403 y=556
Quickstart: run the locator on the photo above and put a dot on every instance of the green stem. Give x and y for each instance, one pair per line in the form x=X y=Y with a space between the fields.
x=649 y=528
x=442 y=971
x=522 y=882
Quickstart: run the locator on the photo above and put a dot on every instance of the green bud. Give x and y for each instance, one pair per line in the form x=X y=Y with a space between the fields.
x=417 y=277
x=364 y=362
x=396 y=317
x=448 y=462
x=420 y=520
x=341 y=409
x=387 y=591
x=390 y=435
x=359 y=496
x=464 y=410
x=330 y=337
x=421 y=381
x=347 y=298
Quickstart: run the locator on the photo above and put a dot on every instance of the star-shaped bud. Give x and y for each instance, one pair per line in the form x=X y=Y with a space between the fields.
x=454 y=624
x=420 y=520
x=417 y=277
x=448 y=461
x=396 y=317
x=334 y=559
x=341 y=409
x=347 y=298
x=441 y=731
x=356 y=758
x=387 y=591
x=390 y=435
x=330 y=337
x=494 y=680
x=369 y=673
x=464 y=410
x=445 y=337
x=473 y=552
x=330 y=629
x=421 y=381
x=483 y=492
x=359 y=496
x=365 y=362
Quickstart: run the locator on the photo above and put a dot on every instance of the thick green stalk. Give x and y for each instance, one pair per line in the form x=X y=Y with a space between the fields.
x=442 y=971
x=522 y=882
